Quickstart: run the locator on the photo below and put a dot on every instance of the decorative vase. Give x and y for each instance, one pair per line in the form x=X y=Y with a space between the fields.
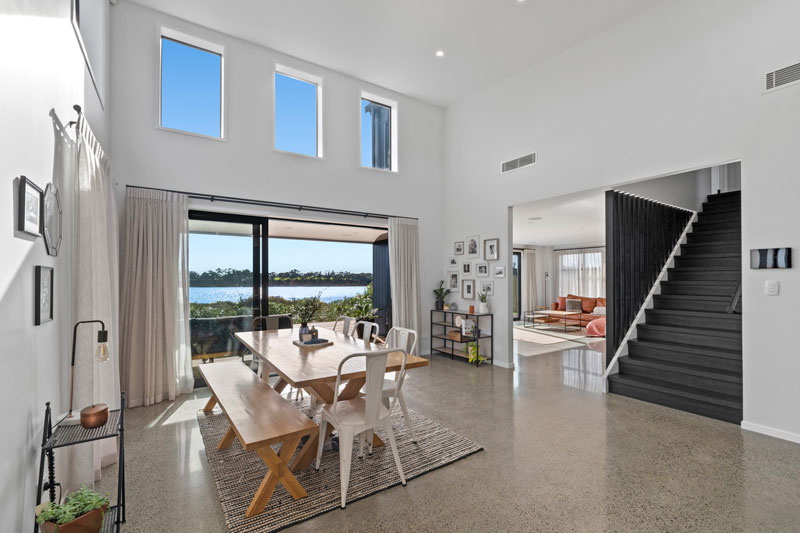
x=472 y=309
x=305 y=333
x=439 y=305
x=483 y=308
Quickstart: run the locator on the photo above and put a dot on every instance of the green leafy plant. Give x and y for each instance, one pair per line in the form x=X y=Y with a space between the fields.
x=483 y=297
x=360 y=306
x=441 y=293
x=76 y=505
x=306 y=309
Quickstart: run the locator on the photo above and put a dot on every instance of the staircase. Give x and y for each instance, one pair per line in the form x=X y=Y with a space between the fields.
x=688 y=353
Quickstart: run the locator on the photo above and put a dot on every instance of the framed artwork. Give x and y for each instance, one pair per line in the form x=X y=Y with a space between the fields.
x=458 y=248
x=452 y=280
x=482 y=270
x=453 y=262
x=771 y=258
x=474 y=246
x=43 y=305
x=29 y=207
x=466 y=268
x=487 y=287
x=51 y=221
x=468 y=289
x=491 y=249
x=500 y=271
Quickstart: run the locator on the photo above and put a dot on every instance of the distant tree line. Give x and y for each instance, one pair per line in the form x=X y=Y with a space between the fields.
x=231 y=277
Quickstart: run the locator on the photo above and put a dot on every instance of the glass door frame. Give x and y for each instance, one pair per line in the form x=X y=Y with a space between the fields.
x=516 y=314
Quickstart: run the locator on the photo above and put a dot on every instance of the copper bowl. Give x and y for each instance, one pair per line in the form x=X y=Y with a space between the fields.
x=94 y=416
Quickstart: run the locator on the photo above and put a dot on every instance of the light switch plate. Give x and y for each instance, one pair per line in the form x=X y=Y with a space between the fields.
x=771 y=287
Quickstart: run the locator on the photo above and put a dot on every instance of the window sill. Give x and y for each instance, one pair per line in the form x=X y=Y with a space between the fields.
x=314 y=157
x=192 y=134
x=383 y=170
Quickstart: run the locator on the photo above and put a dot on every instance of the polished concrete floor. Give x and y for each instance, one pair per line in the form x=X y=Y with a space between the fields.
x=558 y=456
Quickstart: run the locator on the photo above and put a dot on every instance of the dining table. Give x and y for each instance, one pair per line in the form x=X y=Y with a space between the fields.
x=314 y=369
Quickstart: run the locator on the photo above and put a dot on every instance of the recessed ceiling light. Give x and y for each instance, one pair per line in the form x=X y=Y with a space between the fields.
x=439 y=53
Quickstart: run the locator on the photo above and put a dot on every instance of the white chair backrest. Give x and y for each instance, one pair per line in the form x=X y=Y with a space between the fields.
x=375 y=370
x=370 y=328
x=403 y=338
x=347 y=324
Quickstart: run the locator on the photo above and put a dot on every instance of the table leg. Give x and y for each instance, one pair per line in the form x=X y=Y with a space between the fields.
x=278 y=472
x=210 y=405
x=280 y=385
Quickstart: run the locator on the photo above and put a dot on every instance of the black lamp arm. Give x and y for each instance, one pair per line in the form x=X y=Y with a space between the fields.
x=75 y=334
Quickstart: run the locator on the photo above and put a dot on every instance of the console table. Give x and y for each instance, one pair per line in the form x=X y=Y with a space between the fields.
x=446 y=337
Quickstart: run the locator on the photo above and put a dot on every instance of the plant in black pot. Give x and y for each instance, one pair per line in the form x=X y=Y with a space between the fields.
x=305 y=310
x=441 y=293
x=82 y=511
x=362 y=308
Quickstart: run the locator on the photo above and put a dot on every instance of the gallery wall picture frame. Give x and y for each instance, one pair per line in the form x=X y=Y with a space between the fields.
x=482 y=270
x=466 y=268
x=500 y=271
x=51 y=223
x=43 y=299
x=761 y=258
x=452 y=262
x=473 y=246
x=491 y=249
x=468 y=289
x=458 y=248
x=452 y=280
x=487 y=287
x=29 y=207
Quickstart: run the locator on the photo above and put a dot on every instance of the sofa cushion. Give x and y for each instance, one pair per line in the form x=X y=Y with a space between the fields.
x=601 y=302
x=574 y=305
x=562 y=303
x=587 y=304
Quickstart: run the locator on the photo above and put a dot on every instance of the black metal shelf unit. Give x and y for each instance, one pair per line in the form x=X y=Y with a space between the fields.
x=443 y=323
x=63 y=436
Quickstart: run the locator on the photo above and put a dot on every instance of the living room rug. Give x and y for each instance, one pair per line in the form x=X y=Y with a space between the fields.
x=559 y=336
x=528 y=335
x=238 y=473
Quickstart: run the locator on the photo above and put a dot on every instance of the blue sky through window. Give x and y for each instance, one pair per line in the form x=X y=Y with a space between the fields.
x=191 y=87
x=295 y=115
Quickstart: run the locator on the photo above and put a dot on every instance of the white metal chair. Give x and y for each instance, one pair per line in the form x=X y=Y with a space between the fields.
x=347 y=324
x=402 y=339
x=361 y=415
x=370 y=329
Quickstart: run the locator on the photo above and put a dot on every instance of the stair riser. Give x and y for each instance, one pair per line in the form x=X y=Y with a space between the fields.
x=724 y=263
x=705 y=275
x=707 y=341
x=665 y=302
x=711 y=247
x=696 y=238
x=725 y=207
x=693 y=322
x=698 y=382
x=732 y=227
x=697 y=290
x=676 y=402
x=719 y=217
x=674 y=356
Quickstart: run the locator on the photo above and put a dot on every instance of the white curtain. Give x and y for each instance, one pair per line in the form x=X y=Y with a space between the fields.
x=581 y=272
x=528 y=280
x=404 y=274
x=156 y=354
x=95 y=292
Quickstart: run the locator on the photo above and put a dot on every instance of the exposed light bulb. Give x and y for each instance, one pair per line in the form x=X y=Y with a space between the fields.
x=439 y=53
x=102 y=353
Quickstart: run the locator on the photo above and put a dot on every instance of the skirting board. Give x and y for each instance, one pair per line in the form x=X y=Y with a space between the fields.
x=772 y=432
x=502 y=364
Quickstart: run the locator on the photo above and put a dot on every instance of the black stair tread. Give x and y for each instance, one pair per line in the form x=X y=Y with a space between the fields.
x=696 y=282
x=723 y=255
x=726 y=194
x=702 y=269
x=695 y=297
x=722 y=353
x=735 y=242
x=700 y=330
x=696 y=314
x=721 y=207
x=692 y=393
x=715 y=231
x=682 y=368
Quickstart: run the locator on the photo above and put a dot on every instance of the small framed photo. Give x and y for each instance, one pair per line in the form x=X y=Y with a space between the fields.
x=468 y=289
x=452 y=280
x=491 y=249
x=482 y=270
x=500 y=271
x=466 y=268
x=771 y=258
x=458 y=248
x=29 y=207
x=474 y=246
x=487 y=287
x=44 y=295
x=453 y=262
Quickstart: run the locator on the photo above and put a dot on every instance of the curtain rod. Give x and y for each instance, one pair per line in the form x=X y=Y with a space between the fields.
x=265 y=203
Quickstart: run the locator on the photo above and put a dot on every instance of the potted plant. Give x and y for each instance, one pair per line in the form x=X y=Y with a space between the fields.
x=483 y=306
x=305 y=310
x=81 y=512
x=441 y=293
x=361 y=308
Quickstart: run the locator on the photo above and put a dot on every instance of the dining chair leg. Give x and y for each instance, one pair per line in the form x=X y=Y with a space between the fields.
x=362 y=440
x=321 y=443
x=370 y=439
x=407 y=418
x=393 y=444
x=345 y=457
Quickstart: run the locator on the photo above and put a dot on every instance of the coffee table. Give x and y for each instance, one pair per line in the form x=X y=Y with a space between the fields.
x=551 y=318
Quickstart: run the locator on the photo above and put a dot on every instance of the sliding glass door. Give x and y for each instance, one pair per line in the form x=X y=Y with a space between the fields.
x=516 y=263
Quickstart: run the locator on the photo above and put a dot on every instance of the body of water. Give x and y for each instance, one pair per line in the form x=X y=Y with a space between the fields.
x=207 y=295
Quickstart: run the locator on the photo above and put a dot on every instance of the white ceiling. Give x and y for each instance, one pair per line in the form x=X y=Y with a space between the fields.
x=392 y=43
x=567 y=221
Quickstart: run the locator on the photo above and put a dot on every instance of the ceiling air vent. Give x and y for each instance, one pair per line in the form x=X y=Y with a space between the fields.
x=783 y=77
x=520 y=162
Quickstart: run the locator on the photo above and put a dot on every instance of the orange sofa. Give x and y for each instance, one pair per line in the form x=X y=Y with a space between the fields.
x=587 y=307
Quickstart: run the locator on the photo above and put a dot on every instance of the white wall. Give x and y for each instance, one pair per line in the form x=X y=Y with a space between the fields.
x=687 y=189
x=675 y=88
x=246 y=165
x=42 y=72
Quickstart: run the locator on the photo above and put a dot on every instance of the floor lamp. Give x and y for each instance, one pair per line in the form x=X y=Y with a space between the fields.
x=95 y=412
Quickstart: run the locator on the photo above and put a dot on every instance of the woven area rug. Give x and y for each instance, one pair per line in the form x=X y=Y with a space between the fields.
x=238 y=473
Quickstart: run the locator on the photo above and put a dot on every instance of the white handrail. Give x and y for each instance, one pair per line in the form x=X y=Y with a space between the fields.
x=647 y=304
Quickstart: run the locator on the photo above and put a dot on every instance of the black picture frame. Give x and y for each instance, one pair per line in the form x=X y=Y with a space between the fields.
x=43 y=300
x=761 y=258
x=25 y=223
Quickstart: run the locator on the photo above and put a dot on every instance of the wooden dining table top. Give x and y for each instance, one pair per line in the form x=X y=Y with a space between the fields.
x=305 y=367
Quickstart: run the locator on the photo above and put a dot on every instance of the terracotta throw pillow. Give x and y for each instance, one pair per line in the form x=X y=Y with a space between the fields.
x=574 y=305
x=562 y=303
x=587 y=304
x=601 y=302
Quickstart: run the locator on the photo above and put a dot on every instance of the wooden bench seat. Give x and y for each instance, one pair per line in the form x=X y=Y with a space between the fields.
x=259 y=417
